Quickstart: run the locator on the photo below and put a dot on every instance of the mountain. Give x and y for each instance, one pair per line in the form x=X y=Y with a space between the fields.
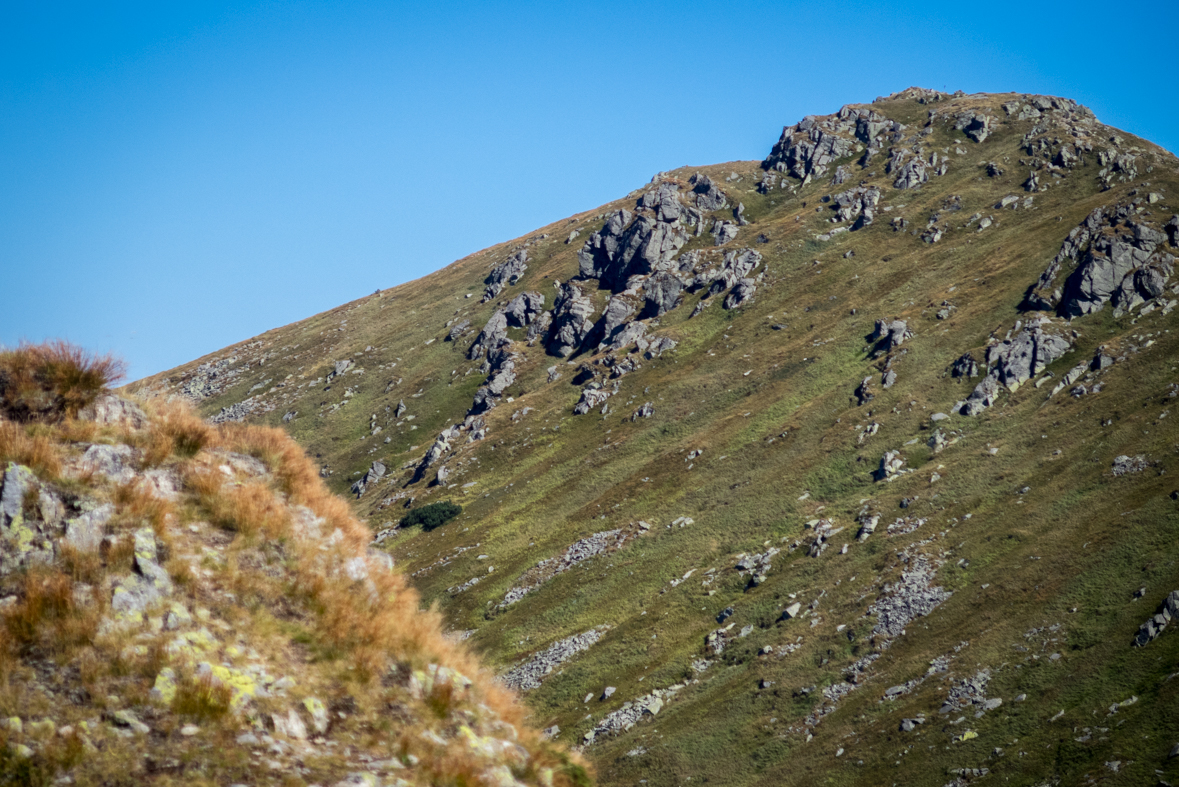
x=853 y=465
x=186 y=603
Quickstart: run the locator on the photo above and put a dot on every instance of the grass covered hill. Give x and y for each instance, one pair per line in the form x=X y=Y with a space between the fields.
x=854 y=465
x=186 y=603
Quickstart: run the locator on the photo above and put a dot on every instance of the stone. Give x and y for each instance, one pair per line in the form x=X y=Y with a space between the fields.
x=1113 y=256
x=290 y=725
x=458 y=329
x=867 y=526
x=493 y=336
x=505 y=274
x=111 y=410
x=84 y=533
x=607 y=693
x=889 y=334
x=965 y=366
x=115 y=462
x=863 y=392
x=1124 y=465
x=741 y=294
x=708 y=196
x=646 y=411
x=18 y=479
x=806 y=149
x=523 y=309
x=661 y=294
x=723 y=232
x=628 y=246
x=128 y=720
x=911 y=174
x=791 y=611
x=891 y=465
x=571 y=324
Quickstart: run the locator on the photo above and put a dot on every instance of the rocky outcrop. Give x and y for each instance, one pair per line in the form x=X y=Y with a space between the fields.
x=493 y=336
x=807 y=149
x=741 y=294
x=506 y=273
x=707 y=196
x=1114 y=256
x=661 y=294
x=1153 y=627
x=375 y=473
x=523 y=309
x=571 y=324
x=888 y=335
x=858 y=205
x=627 y=246
x=1013 y=361
x=976 y=125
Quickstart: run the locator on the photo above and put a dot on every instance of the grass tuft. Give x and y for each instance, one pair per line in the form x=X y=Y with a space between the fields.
x=49 y=381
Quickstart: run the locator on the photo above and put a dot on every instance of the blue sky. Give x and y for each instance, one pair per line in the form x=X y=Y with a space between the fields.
x=178 y=177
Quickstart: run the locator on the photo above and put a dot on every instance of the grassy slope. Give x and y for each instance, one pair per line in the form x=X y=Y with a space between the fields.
x=1079 y=539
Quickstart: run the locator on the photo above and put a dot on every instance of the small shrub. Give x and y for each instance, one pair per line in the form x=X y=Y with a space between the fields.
x=432 y=516
x=44 y=382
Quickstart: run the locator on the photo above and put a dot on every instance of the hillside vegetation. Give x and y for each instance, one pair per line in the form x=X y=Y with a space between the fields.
x=850 y=466
x=186 y=603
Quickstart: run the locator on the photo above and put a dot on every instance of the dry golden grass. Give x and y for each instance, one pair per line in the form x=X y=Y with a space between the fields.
x=37 y=451
x=176 y=430
x=137 y=505
x=52 y=380
x=250 y=509
x=47 y=616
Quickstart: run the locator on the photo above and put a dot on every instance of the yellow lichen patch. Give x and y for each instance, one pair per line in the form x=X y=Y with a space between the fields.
x=164 y=689
x=242 y=685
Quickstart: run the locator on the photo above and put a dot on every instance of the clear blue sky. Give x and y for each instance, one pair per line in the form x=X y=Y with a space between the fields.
x=178 y=177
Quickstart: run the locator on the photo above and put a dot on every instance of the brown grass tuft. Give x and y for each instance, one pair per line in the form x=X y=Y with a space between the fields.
x=44 y=382
x=177 y=429
x=47 y=616
x=250 y=509
x=136 y=504
x=37 y=451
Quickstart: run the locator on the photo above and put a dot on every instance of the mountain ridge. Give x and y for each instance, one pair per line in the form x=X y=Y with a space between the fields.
x=920 y=240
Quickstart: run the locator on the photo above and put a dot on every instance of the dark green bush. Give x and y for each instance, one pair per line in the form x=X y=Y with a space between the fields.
x=432 y=516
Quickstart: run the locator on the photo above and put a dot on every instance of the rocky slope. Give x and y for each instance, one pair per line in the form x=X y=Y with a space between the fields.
x=187 y=604
x=847 y=465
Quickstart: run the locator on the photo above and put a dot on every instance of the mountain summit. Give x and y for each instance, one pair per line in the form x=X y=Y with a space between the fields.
x=853 y=464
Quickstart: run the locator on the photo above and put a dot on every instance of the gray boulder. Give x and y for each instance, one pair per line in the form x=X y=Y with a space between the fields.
x=523 y=309
x=624 y=248
x=741 y=294
x=708 y=196
x=571 y=320
x=723 y=232
x=887 y=335
x=506 y=273
x=110 y=410
x=493 y=336
x=965 y=366
x=661 y=294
